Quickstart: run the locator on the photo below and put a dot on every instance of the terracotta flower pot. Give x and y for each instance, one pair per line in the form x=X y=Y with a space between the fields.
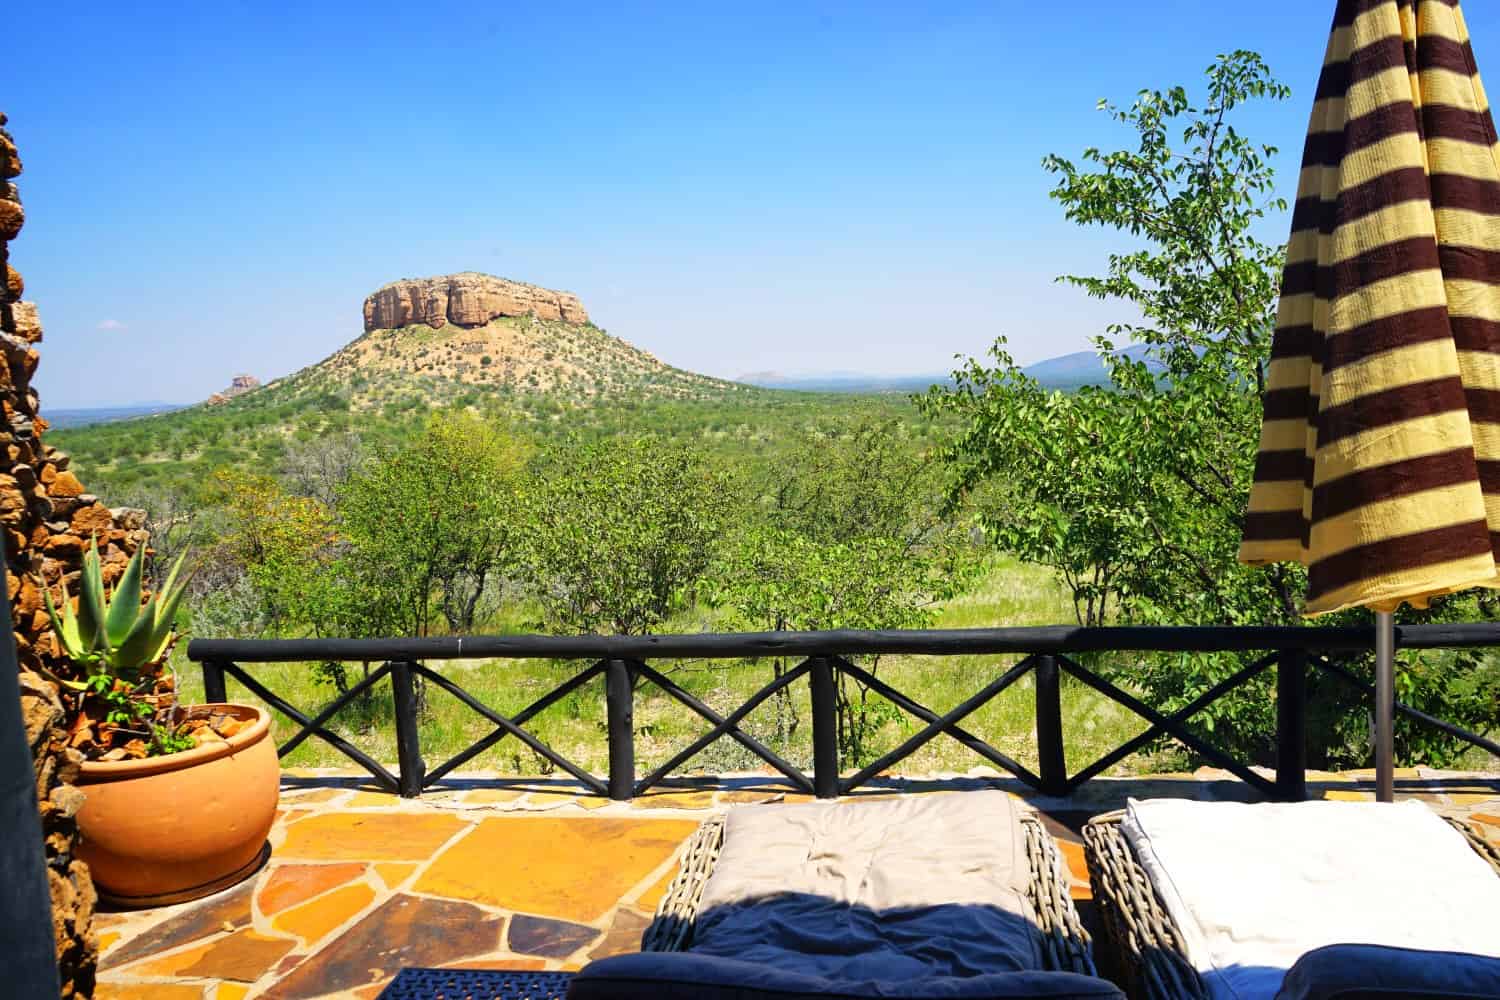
x=169 y=829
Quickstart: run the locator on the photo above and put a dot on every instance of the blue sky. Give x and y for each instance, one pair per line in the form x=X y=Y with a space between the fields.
x=214 y=188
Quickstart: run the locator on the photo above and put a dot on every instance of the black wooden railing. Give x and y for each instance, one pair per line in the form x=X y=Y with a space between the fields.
x=621 y=662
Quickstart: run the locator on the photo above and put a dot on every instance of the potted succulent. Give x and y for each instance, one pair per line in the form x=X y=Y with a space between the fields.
x=178 y=799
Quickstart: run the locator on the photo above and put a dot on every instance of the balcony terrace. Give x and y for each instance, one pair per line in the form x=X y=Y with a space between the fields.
x=396 y=864
x=529 y=874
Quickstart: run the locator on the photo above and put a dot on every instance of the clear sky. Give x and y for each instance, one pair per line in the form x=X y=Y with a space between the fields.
x=215 y=187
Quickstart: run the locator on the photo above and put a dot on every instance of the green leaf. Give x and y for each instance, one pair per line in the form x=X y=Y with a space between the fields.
x=136 y=649
x=91 y=600
x=125 y=603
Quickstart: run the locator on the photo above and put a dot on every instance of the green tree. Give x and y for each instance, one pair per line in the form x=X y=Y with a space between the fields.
x=433 y=523
x=1135 y=491
x=622 y=533
x=849 y=532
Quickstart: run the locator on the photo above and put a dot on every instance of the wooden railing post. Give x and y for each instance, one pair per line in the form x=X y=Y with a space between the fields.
x=1291 y=725
x=1049 y=728
x=408 y=735
x=619 y=697
x=213 y=682
x=825 y=727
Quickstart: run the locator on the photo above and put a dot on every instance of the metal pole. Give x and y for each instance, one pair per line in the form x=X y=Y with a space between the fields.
x=1385 y=702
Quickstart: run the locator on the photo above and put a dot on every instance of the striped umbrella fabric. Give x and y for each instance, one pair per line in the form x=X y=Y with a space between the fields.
x=1379 y=461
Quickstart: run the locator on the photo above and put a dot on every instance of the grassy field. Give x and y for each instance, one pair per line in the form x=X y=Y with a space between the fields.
x=1010 y=594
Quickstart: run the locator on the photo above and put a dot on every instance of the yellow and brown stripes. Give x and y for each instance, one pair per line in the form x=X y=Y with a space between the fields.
x=1380 y=448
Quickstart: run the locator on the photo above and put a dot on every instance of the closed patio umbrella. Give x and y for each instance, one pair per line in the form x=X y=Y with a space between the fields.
x=1379 y=461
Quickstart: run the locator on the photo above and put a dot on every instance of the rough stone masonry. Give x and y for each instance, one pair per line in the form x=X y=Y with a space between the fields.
x=47 y=518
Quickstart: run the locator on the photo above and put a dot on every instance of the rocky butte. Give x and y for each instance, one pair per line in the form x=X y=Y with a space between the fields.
x=238 y=386
x=467 y=300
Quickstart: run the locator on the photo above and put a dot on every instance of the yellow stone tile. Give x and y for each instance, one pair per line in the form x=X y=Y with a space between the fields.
x=313 y=920
x=344 y=836
x=745 y=795
x=1473 y=798
x=289 y=885
x=172 y=965
x=649 y=899
x=231 y=991
x=367 y=800
x=575 y=868
x=1077 y=867
x=491 y=796
x=1339 y=795
x=566 y=798
x=394 y=874
x=151 y=991
x=243 y=956
x=509 y=963
x=675 y=800
x=308 y=798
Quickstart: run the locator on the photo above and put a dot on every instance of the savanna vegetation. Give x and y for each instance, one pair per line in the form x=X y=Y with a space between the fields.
x=990 y=502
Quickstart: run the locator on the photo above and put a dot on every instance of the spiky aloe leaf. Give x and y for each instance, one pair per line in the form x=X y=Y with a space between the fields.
x=134 y=652
x=125 y=603
x=166 y=602
x=152 y=631
x=64 y=625
x=170 y=591
x=91 y=598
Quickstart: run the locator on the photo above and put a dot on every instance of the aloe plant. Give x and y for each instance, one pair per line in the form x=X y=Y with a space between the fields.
x=114 y=635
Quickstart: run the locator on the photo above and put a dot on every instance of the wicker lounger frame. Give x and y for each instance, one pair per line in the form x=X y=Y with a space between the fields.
x=1065 y=944
x=1151 y=954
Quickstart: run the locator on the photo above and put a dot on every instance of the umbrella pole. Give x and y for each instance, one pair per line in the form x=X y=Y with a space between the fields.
x=1385 y=705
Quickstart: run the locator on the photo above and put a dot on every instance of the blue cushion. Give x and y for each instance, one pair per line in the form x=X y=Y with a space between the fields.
x=686 y=976
x=1370 y=972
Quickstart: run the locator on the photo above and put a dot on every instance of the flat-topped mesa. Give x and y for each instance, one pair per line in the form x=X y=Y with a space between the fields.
x=467 y=300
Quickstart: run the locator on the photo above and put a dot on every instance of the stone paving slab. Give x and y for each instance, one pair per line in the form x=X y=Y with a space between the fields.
x=534 y=873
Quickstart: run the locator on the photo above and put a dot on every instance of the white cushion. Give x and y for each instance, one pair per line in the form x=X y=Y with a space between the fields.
x=1255 y=887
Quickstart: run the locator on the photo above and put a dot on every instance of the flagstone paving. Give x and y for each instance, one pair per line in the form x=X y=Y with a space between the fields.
x=491 y=872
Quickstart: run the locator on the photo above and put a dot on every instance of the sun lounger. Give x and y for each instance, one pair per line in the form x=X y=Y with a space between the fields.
x=959 y=895
x=1177 y=938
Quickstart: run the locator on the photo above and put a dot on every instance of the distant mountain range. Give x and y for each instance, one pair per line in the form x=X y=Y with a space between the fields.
x=1066 y=372
x=1081 y=368
x=842 y=381
x=83 y=415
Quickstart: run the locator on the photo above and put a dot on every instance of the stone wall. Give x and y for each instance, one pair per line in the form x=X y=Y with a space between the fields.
x=47 y=518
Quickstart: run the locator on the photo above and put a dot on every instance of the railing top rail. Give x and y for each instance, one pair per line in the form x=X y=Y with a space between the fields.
x=845 y=642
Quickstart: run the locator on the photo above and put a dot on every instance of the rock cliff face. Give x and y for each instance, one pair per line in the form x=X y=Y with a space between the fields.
x=46 y=517
x=467 y=300
x=238 y=386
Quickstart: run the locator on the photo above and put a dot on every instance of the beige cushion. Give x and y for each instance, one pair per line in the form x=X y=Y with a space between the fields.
x=903 y=888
